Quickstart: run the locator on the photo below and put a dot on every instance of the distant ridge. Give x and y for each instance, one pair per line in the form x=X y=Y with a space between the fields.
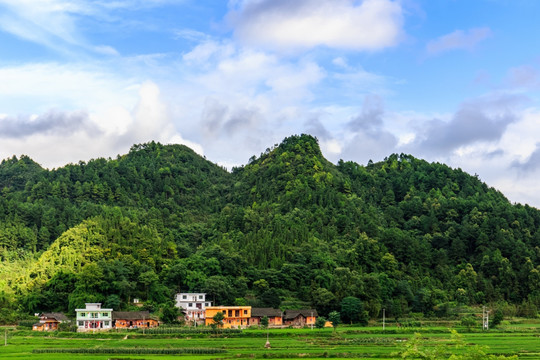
x=288 y=228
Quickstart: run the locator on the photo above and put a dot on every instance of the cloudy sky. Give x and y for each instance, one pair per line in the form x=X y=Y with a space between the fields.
x=453 y=81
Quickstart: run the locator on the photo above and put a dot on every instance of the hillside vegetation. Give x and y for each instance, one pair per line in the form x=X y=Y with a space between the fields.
x=288 y=229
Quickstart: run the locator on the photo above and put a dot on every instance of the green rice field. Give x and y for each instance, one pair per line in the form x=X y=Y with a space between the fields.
x=516 y=338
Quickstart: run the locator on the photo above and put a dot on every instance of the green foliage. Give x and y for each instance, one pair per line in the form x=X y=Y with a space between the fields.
x=26 y=324
x=415 y=348
x=169 y=313
x=320 y=322
x=264 y=321
x=334 y=318
x=126 y=351
x=218 y=318
x=69 y=326
x=469 y=322
x=497 y=319
x=352 y=311
x=323 y=300
x=287 y=228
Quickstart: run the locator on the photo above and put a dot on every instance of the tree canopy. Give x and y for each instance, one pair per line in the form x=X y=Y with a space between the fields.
x=288 y=229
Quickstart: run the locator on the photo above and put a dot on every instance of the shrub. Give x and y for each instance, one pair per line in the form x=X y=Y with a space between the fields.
x=469 y=322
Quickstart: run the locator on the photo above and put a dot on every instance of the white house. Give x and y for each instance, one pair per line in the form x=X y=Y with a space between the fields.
x=193 y=305
x=94 y=318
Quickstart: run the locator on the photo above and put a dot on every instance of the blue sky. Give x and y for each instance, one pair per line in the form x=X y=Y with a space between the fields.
x=454 y=81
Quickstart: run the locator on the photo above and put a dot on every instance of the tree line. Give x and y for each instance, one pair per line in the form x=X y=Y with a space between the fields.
x=289 y=229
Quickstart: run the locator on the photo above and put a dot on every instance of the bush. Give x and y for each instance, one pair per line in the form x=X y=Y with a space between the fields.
x=469 y=322
x=67 y=326
x=497 y=318
x=26 y=324
x=320 y=322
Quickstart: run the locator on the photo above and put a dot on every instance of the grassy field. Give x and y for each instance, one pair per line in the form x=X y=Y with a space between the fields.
x=516 y=338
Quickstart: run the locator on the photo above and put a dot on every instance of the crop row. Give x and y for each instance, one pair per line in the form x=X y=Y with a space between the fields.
x=167 y=351
x=178 y=330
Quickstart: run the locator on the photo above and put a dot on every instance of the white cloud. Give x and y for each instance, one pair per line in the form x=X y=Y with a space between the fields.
x=248 y=76
x=332 y=146
x=46 y=22
x=481 y=120
x=53 y=23
x=520 y=139
x=341 y=62
x=208 y=50
x=56 y=138
x=458 y=40
x=41 y=86
x=303 y=24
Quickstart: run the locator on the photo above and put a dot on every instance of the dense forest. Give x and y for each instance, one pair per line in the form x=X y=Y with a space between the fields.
x=289 y=229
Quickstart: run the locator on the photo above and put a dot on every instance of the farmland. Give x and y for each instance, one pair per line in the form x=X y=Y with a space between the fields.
x=513 y=338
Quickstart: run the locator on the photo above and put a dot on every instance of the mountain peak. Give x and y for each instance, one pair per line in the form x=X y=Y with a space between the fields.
x=14 y=172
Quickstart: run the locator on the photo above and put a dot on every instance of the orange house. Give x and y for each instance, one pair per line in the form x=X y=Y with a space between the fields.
x=49 y=321
x=233 y=316
x=133 y=320
x=274 y=316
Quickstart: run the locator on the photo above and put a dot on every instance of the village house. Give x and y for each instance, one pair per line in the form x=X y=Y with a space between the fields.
x=137 y=303
x=93 y=317
x=274 y=316
x=233 y=316
x=193 y=306
x=49 y=321
x=300 y=318
x=133 y=320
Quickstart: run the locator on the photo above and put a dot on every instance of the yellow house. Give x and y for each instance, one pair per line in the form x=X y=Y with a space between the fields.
x=233 y=316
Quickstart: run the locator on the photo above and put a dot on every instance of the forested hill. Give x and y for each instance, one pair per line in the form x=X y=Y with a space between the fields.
x=288 y=229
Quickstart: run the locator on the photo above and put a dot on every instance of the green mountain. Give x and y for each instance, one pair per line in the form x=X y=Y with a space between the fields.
x=288 y=229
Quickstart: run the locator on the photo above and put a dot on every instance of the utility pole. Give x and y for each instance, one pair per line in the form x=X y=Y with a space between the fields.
x=383 y=318
x=485 y=318
x=5 y=337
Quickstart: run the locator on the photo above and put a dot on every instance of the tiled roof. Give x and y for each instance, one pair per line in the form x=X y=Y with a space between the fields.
x=291 y=314
x=58 y=316
x=131 y=315
x=261 y=312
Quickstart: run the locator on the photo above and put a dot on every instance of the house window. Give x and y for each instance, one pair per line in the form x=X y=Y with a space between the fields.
x=184 y=297
x=83 y=314
x=245 y=312
x=190 y=304
x=81 y=323
x=105 y=314
x=200 y=296
x=106 y=323
x=206 y=304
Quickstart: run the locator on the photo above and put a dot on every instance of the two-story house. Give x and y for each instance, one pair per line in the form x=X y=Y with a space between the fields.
x=233 y=316
x=193 y=306
x=93 y=317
